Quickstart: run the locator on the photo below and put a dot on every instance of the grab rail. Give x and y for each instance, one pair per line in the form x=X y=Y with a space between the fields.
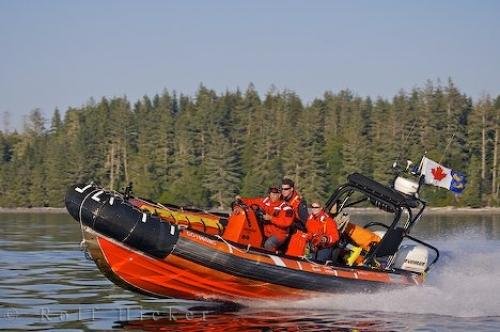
x=375 y=223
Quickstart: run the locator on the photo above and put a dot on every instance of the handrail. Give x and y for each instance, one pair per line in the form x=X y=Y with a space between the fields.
x=375 y=223
x=373 y=253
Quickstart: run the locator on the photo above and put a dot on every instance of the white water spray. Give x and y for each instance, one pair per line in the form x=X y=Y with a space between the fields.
x=466 y=283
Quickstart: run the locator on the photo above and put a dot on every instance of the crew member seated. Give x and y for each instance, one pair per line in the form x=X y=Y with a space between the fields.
x=322 y=236
x=278 y=216
x=323 y=233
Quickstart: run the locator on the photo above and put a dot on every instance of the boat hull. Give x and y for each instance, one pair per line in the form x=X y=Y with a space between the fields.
x=193 y=272
x=188 y=264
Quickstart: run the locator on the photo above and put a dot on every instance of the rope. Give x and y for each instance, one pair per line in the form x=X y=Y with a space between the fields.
x=313 y=262
x=131 y=230
x=82 y=243
x=231 y=246
x=119 y=195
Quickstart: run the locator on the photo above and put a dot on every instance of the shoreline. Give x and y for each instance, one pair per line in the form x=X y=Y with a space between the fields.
x=429 y=211
x=437 y=210
x=44 y=210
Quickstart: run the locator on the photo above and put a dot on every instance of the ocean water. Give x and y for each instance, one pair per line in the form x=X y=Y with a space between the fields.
x=47 y=283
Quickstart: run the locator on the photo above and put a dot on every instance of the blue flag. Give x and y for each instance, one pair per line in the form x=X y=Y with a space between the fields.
x=458 y=182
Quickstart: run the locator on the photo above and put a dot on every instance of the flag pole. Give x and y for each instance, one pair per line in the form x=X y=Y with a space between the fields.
x=421 y=163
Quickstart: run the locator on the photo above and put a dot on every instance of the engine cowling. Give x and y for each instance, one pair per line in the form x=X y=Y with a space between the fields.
x=413 y=258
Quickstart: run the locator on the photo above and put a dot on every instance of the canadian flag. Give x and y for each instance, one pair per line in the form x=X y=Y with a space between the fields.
x=436 y=174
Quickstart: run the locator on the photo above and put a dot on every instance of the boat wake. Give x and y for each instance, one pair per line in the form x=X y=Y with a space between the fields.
x=464 y=284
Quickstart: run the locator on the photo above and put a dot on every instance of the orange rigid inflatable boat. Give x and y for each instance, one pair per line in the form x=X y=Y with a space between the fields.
x=169 y=251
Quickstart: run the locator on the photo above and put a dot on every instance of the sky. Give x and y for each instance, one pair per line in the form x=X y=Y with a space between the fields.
x=62 y=53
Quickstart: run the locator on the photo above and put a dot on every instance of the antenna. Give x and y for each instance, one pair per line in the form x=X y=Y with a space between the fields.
x=405 y=141
x=446 y=149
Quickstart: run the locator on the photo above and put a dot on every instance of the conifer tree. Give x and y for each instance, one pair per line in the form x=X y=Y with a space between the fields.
x=472 y=195
x=93 y=145
x=336 y=127
x=385 y=140
x=141 y=163
x=458 y=108
x=56 y=122
x=495 y=142
x=55 y=162
x=250 y=113
x=163 y=135
x=74 y=146
x=176 y=148
x=258 y=164
x=222 y=172
x=309 y=171
x=353 y=146
x=481 y=120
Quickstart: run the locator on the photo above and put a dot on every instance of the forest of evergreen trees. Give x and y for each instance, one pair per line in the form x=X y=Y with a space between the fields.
x=203 y=150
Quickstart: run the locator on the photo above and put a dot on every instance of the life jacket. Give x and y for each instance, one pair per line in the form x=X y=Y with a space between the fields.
x=323 y=225
x=295 y=202
x=282 y=216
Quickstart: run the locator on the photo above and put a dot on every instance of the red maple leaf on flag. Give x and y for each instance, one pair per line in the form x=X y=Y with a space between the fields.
x=438 y=173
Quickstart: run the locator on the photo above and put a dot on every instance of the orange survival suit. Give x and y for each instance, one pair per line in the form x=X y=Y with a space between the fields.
x=281 y=216
x=318 y=226
x=322 y=225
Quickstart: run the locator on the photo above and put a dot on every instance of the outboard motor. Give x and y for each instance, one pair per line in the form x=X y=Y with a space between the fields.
x=412 y=257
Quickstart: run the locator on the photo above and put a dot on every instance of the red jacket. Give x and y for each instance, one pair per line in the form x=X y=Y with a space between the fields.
x=323 y=225
x=281 y=216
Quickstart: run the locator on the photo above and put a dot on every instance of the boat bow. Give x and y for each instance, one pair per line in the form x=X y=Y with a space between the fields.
x=108 y=213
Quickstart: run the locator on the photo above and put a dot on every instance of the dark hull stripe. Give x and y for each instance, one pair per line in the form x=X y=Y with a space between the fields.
x=241 y=267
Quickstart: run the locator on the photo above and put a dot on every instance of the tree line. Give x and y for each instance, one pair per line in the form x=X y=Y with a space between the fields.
x=202 y=150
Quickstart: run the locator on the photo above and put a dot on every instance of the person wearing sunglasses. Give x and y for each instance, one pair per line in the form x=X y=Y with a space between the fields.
x=278 y=216
x=293 y=199
x=323 y=232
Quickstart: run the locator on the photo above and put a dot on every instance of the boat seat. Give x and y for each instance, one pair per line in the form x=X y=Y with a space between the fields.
x=390 y=243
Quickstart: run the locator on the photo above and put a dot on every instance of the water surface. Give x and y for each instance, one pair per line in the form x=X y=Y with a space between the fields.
x=47 y=283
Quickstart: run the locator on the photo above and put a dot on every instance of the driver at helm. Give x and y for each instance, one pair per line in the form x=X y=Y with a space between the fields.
x=278 y=216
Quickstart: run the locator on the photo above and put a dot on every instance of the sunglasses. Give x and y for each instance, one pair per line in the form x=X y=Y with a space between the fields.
x=286 y=188
x=315 y=207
